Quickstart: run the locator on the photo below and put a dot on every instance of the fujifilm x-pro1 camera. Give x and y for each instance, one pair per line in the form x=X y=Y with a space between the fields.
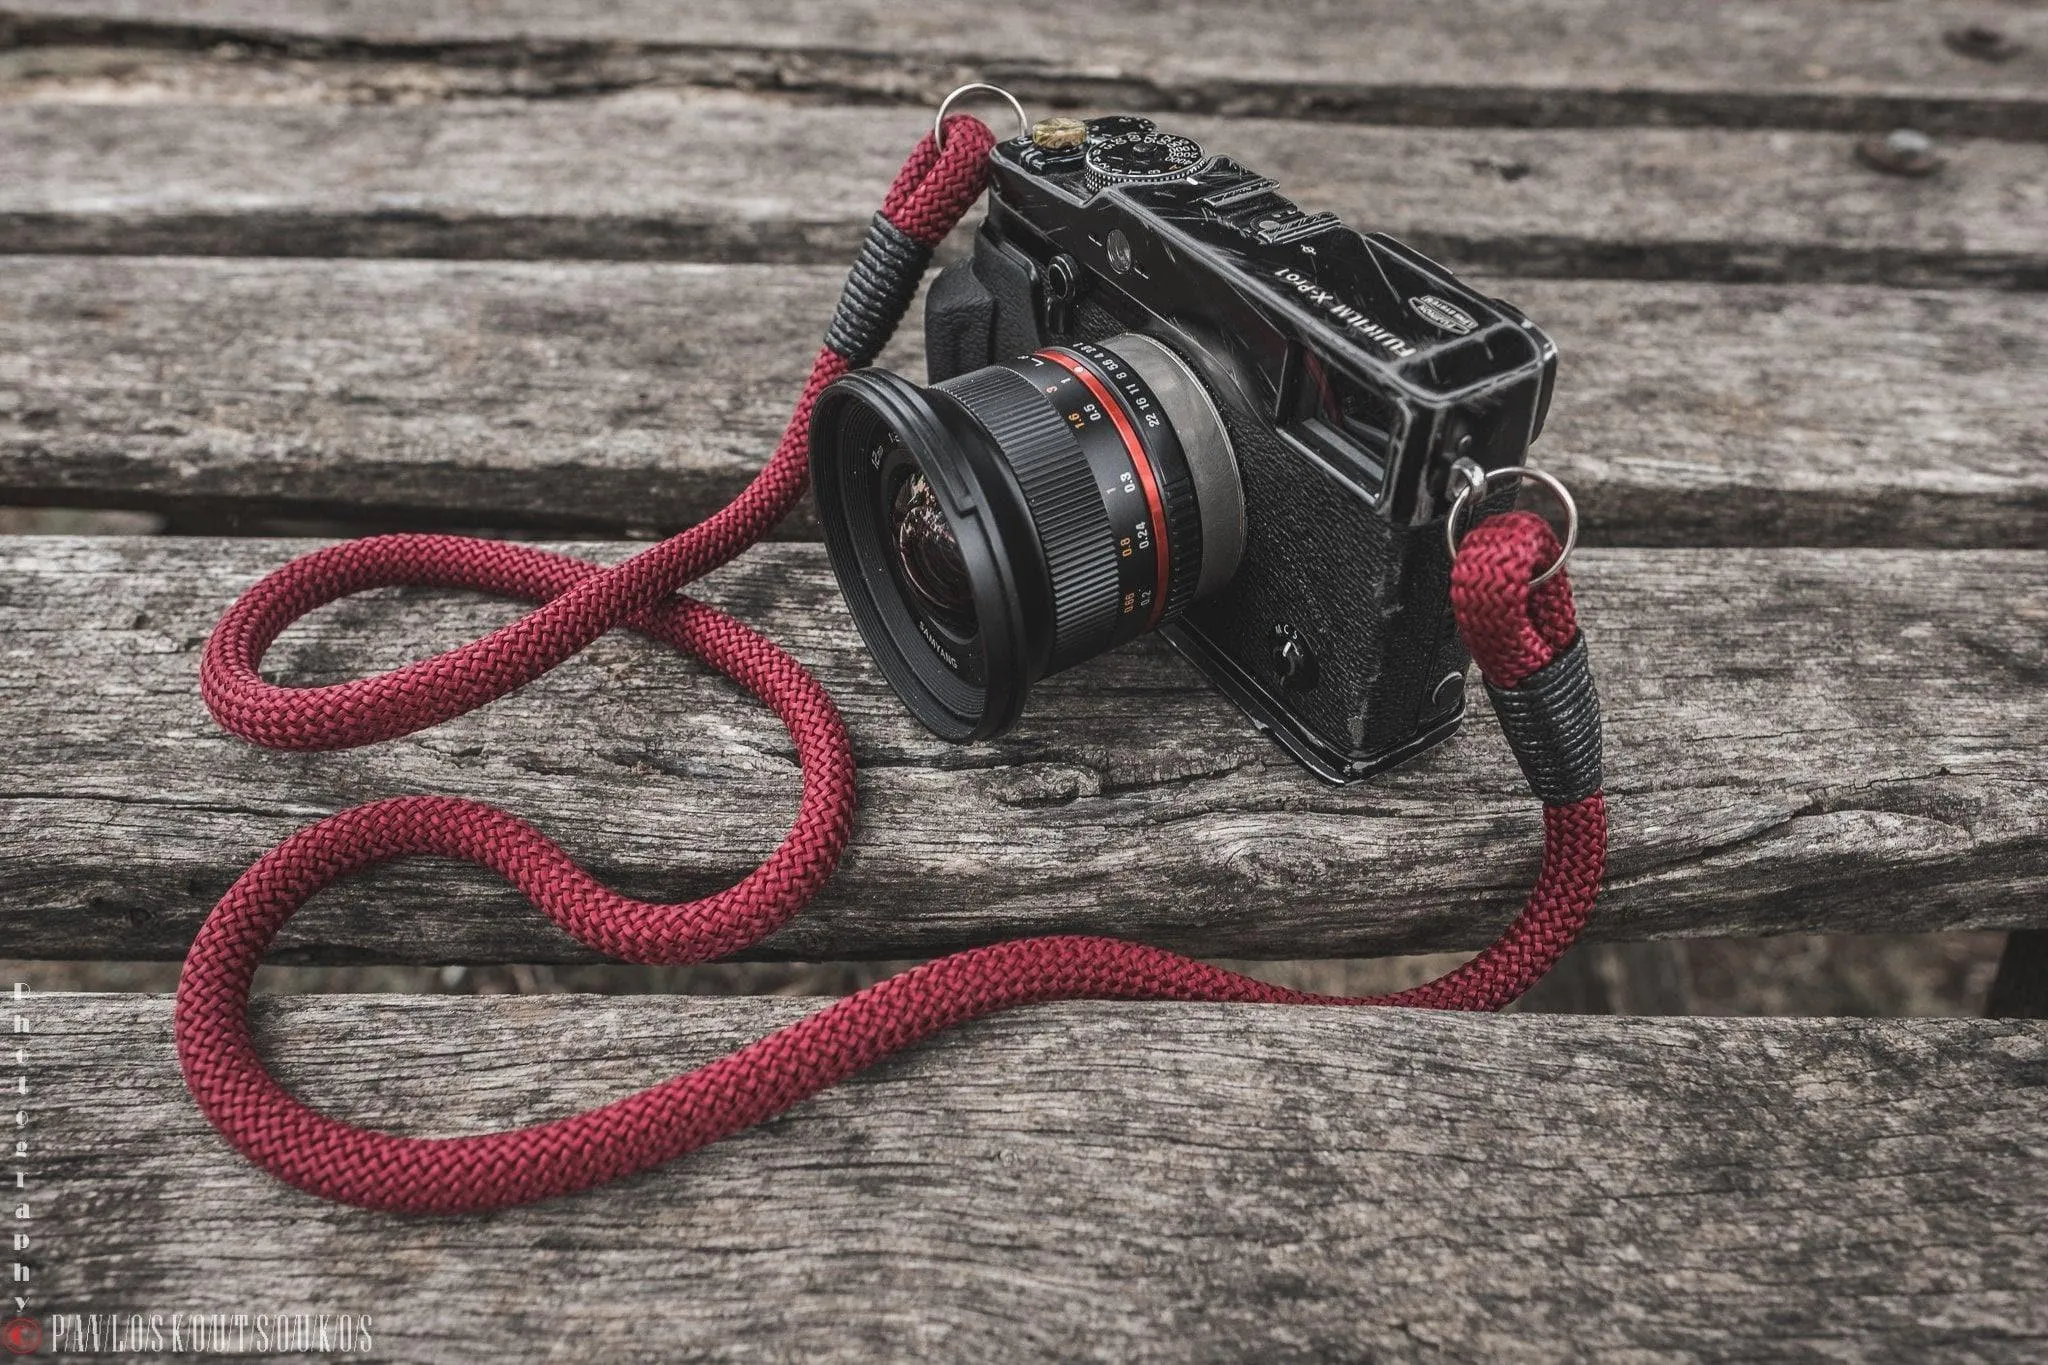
x=1163 y=397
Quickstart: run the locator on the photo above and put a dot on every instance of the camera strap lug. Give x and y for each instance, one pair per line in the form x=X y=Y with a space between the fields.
x=1471 y=484
x=952 y=97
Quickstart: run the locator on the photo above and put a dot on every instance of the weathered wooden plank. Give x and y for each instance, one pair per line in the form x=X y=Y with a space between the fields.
x=1834 y=741
x=662 y=174
x=1745 y=63
x=594 y=397
x=613 y=397
x=1105 y=1182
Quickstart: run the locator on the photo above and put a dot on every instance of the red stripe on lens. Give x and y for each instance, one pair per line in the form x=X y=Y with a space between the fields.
x=1139 y=461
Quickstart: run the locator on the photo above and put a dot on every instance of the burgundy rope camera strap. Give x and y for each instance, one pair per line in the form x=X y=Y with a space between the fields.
x=1522 y=634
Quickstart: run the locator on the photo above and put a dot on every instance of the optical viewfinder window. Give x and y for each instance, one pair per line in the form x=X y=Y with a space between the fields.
x=1343 y=420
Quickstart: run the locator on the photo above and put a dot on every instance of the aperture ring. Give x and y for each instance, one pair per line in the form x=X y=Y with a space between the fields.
x=1064 y=504
x=1180 y=532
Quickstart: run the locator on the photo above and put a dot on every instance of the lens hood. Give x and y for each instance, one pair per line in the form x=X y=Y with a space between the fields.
x=958 y=698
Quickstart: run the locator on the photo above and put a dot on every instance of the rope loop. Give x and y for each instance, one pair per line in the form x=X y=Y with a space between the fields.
x=1508 y=625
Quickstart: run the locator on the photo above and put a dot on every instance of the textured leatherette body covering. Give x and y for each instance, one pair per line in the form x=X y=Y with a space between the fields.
x=1368 y=597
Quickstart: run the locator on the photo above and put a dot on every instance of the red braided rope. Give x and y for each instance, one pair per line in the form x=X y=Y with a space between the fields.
x=1511 y=630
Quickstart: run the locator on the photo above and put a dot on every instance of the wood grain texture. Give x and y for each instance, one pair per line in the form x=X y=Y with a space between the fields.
x=1798 y=741
x=1746 y=63
x=1107 y=1183
x=695 y=175
x=629 y=397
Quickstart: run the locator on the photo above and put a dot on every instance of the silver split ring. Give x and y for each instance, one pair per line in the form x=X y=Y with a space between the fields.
x=1483 y=483
x=939 y=119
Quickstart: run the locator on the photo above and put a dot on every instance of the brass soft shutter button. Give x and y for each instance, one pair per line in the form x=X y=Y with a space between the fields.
x=1058 y=134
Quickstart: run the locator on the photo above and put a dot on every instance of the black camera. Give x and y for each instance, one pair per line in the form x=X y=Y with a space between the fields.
x=1164 y=397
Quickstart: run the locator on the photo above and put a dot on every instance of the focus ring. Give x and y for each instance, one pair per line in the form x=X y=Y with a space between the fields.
x=1065 y=506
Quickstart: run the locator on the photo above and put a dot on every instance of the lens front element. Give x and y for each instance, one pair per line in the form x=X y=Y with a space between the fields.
x=928 y=553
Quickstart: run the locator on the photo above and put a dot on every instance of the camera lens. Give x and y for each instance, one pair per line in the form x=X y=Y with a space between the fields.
x=996 y=528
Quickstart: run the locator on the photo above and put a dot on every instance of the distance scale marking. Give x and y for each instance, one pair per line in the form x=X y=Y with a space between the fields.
x=1082 y=394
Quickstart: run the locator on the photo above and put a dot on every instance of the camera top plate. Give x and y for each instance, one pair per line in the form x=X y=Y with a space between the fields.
x=1199 y=245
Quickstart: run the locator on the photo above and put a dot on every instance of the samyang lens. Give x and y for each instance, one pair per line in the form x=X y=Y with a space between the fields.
x=1000 y=526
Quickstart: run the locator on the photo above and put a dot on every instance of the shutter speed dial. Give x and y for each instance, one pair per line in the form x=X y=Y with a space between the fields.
x=1139 y=158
